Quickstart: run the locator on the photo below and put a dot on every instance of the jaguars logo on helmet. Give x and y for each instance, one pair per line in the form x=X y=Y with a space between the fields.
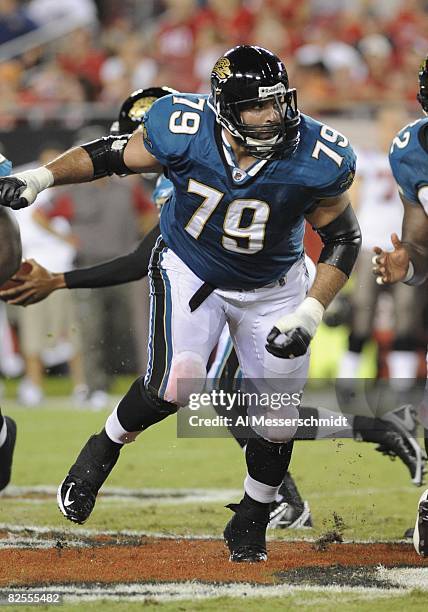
x=222 y=68
x=134 y=108
x=246 y=76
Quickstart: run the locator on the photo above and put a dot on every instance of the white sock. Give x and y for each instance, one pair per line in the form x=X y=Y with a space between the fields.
x=403 y=367
x=259 y=491
x=115 y=431
x=3 y=433
x=349 y=365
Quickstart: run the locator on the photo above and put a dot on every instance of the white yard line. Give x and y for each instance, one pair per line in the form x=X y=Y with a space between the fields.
x=27 y=536
x=193 y=590
x=169 y=496
x=139 y=496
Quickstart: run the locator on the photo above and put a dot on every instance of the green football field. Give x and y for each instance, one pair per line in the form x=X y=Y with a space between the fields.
x=372 y=494
x=179 y=487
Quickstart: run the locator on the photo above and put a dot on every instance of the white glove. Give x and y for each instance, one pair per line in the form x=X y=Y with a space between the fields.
x=291 y=335
x=21 y=189
x=308 y=315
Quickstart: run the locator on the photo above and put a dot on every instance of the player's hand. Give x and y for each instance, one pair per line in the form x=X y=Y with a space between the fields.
x=288 y=345
x=391 y=266
x=12 y=193
x=20 y=190
x=291 y=335
x=35 y=287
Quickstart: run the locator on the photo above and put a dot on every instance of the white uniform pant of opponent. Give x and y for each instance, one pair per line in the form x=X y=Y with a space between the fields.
x=181 y=341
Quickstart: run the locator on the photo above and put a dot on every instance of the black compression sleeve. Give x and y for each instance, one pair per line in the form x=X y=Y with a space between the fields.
x=117 y=271
x=342 y=241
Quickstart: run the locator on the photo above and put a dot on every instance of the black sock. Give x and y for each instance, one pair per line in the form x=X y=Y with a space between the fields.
x=268 y=462
x=426 y=440
x=1 y=420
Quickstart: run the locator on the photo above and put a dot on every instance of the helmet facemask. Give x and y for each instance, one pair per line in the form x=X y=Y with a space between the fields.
x=269 y=140
x=423 y=86
x=273 y=140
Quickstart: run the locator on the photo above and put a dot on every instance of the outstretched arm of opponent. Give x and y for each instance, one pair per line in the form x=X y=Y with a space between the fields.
x=40 y=282
x=408 y=262
x=112 y=154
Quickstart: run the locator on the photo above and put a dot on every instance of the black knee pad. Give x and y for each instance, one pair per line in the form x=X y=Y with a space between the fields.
x=140 y=408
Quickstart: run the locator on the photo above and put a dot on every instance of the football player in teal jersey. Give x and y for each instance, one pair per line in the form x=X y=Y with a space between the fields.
x=408 y=262
x=10 y=259
x=248 y=170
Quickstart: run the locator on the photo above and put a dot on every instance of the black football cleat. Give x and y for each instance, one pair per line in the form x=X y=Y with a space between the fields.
x=289 y=511
x=6 y=453
x=394 y=434
x=76 y=499
x=77 y=493
x=404 y=422
x=420 y=534
x=284 y=515
x=245 y=533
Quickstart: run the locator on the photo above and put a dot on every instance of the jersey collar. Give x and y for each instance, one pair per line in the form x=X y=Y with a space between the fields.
x=238 y=175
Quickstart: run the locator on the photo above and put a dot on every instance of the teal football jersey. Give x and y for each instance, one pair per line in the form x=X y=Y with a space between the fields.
x=239 y=228
x=409 y=159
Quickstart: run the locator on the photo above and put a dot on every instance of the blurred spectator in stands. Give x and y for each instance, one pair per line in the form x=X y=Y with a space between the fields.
x=80 y=57
x=127 y=71
x=173 y=39
x=107 y=217
x=14 y=20
x=380 y=213
x=316 y=92
x=377 y=53
x=10 y=78
x=79 y=12
x=116 y=33
x=54 y=84
x=209 y=45
x=233 y=20
x=49 y=331
x=347 y=46
x=272 y=32
x=338 y=57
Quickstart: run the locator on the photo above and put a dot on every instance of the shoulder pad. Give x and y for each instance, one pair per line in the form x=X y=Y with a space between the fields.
x=329 y=159
x=408 y=159
x=170 y=124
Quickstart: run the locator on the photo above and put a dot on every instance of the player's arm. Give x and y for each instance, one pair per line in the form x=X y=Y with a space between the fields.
x=108 y=155
x=337 y=225
x=10 y=246
x=408 y=262
x=40 y=282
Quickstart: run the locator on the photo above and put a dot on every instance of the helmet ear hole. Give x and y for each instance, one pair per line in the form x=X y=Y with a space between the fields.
x=246 y=76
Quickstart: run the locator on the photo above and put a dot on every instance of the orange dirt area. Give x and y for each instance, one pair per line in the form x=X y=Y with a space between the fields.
x=165 y=560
